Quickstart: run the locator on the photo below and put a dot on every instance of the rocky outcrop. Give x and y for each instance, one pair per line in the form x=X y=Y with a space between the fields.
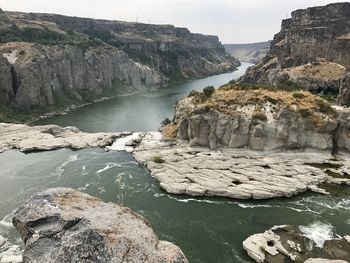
x=344 y=92
x=63 y=225
x=317 y=34
x=40 y=75
x=251 y=53
x=50 y=137
x=318 y=77
x=292 y=243
x=239 y=174
x=260 y=119
x=6 y=88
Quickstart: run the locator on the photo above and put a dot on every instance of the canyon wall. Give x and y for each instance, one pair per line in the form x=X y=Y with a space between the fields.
x=311 y=36
x=50 y=59
x=174 y=51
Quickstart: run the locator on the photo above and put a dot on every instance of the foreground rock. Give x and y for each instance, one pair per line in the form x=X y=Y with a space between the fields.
x=63 y=225
x=50 y=137
x=293 y=244
x=260 y=119
x=234 y=173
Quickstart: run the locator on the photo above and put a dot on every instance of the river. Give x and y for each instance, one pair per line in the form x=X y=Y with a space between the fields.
x=209 y=230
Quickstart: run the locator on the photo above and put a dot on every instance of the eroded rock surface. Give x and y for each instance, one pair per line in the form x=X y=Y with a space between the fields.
x=288 y=243
x=240 y=174
x=64 y=225
x=50 y=137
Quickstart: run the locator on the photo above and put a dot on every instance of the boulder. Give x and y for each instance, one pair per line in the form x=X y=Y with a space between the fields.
x=64 y=225
x=292 y=243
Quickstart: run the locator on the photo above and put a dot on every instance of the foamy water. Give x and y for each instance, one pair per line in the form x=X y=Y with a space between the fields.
x=318 y=232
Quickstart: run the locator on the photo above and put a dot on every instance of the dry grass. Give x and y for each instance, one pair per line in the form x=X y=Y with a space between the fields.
x=229 y=97
x=319 y=71
x=169 y=131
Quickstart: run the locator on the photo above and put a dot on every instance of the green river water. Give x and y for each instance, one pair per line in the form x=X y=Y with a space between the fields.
x=209 y=230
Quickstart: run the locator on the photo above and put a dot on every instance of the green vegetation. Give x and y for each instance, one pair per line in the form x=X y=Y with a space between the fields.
x=208 y=91
x=298 y=95
x=290 y=86
x=158 y=159
x=104 y=35
x=45 y=36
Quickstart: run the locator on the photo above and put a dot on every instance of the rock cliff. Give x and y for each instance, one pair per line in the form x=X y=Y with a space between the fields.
x=310 y=37
x=41 y=75
x=176 y=52
x=259 y=119
x=63 y=225
x=251 y=53
x=52 y=60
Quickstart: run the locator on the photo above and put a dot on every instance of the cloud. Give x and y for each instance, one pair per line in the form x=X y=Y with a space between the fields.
x=234 y=21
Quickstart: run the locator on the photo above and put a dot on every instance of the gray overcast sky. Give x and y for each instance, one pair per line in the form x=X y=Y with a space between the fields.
x=234 y=21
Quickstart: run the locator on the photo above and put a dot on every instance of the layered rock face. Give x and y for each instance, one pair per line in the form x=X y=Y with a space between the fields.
x=63 y=225
x=260 y=120
x=317 y=34
x=251 y=53
x=176 y=52
x=40 y=75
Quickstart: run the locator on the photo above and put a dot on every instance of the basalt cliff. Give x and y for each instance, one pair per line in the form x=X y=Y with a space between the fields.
x=48 y=59
x=312 y=51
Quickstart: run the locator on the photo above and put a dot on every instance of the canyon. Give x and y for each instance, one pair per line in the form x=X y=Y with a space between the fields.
x=230 y=162
x=252 y=52
x=52 y=60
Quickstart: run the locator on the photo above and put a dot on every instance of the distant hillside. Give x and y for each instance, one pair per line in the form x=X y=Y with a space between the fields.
x=251 y=53
x=49 y=60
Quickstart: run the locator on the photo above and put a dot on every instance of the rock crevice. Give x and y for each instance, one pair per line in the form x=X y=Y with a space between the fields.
x=64 y=225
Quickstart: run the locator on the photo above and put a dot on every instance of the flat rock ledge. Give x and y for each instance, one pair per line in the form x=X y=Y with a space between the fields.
x=64 y=225
x=289 y=244
x=50 y=137
x=238 y=173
